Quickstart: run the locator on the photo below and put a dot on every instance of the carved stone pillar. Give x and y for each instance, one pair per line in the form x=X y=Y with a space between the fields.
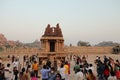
x=46 y=45
x=57 y=45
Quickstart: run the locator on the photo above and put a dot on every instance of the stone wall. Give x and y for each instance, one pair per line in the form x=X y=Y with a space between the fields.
x=67 y=50
x=22 y=50
x=89 y=50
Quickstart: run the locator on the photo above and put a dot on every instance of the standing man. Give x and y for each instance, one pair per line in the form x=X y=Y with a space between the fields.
x=66 y=71
x=35 y=68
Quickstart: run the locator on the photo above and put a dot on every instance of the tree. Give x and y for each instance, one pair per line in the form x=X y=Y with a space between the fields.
x=83 y=43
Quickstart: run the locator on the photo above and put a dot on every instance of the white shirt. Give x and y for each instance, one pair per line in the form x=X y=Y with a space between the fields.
x=112 y=78
x=92 y=68
x=16 y=64
x=8 y=73
x=62 y=72
x=79 y=76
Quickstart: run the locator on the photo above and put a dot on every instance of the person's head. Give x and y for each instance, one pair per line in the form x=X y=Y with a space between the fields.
x=58 y=76
x=23 y=69
x=15 y=68
x=112 y=73
x=78 y=70
x=77 y=63
x=32 y=74
x=90 y=71
x=28 y=66
x=66 y=62
x=8 y=65
x=81 y=66
x=62 y=65
x=52 y=70
x=117 y=60
x=44 y=66
x=91 y=65
x=35 y=61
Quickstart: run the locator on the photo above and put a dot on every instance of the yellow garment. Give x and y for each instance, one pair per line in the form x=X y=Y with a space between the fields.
x=66 y=69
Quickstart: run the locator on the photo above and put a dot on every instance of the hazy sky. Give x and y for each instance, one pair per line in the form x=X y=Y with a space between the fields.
x=87 y=20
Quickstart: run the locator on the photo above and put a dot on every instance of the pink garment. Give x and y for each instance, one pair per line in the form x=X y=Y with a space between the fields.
x=34 y=78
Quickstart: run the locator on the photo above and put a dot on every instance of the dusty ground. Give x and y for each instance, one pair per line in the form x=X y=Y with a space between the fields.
x=90 y=59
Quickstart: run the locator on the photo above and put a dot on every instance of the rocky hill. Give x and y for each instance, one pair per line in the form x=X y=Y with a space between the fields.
x=9 y=43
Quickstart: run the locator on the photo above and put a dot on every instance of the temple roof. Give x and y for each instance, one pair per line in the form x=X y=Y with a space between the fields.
x=53 y=31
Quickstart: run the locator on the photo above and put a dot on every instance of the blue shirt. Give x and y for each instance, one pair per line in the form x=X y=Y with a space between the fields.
x=44 y=73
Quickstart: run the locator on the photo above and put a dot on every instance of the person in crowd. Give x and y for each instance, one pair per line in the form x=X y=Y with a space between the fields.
x=105 y=60
x=22 y=75
x=118 y=73
x=112 y=76
x=52 y=74
x=13 y=58
x=90 y=75
x=76 y=67
x=117 y=62
x=79 y=75
x=91 y=67
x=8 y=72
x=106 y=72
x=35 y=68
x=16 y=64
x=33 y=77
x=66 y=71
x=48 y=63
x=100 y=69
x=44 y=72
x=15 y=73
x=62 y=71
x=28 y=74
x=2 y=73
x=58 y=77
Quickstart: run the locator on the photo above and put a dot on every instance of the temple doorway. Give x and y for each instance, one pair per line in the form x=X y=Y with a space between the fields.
x=52 y=45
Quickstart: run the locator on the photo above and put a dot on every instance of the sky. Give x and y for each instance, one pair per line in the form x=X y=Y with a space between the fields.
x=93 y=21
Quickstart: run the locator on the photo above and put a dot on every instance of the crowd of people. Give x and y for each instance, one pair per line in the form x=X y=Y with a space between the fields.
x=108 y=69
x=29 y=69
x=16 y=70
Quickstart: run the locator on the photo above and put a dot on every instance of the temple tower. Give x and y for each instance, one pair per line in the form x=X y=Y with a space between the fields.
x=52 y=40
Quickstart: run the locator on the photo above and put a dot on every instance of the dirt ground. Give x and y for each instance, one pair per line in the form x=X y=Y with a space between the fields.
x=90 y=59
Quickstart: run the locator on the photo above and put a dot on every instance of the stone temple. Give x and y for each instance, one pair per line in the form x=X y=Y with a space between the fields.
x=52 y=40
x=52 y=43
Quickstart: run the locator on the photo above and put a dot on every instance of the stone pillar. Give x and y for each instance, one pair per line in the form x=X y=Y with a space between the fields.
x=62 y=43
x=46 y=45
x=57 y=46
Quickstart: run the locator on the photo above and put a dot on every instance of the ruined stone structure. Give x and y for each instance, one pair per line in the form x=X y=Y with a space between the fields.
x=52 y=40
x=52 y=46
x=116 y=50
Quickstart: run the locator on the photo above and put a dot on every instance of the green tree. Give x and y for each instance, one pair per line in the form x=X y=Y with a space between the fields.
x=83 y=43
